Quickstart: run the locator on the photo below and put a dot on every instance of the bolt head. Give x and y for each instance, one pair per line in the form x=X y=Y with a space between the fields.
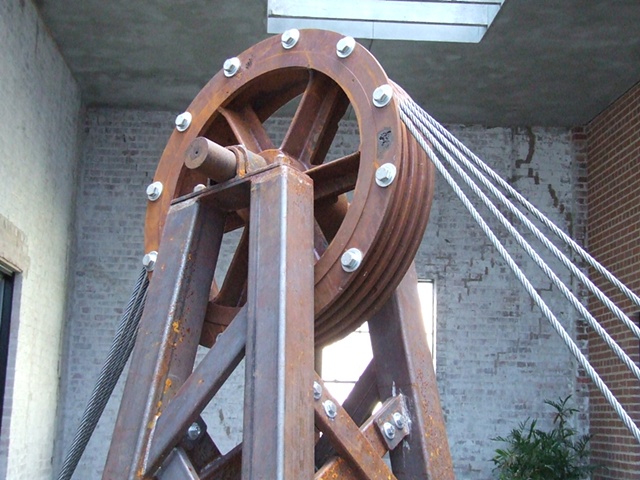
x=231 y=66
x=345 y=46
x=199 y=187
x=317 y=391
x=399 y=420
x=386 y=174
x=330 y=409
x=149 y=260
x=194 y=431
x=389 y=430
x=183 y=121
x=289 y=38
x=154 y=190
x=351 y=260
x=382 y=95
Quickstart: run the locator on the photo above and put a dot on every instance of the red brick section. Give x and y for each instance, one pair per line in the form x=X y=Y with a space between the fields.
x=613 y=233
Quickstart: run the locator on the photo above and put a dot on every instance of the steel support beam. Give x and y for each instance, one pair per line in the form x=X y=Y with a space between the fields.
x=278 y=413
x=404 y=365
x=169 y=331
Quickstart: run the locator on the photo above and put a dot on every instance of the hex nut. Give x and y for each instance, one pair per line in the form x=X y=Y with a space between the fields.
x=382 y=95
x=231 y=66
x=386 y=174
x=351 y=260
x=289 y=38
x=345 y=46
x=183 y=121
x=389 y=430
x=317 y=391
x=149 y=260
x=154 y=190
x=194 y=431
x=399 y=420
x=330 y=409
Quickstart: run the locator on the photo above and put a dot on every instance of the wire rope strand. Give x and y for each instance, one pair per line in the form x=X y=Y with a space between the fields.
x=535 y=230
x=109 y=375
x=534 y=210
x=630 y=364
x=557 y=326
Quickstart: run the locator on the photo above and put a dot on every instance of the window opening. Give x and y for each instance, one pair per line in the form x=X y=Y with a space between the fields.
x=344 y=361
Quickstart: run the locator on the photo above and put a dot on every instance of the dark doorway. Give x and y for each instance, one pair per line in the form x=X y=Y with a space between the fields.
x=6 y=294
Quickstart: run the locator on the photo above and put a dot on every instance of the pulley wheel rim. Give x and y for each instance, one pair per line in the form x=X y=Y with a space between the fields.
x=230 y=110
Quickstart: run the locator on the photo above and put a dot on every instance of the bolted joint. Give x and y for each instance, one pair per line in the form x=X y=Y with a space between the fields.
x=345 y=47
x=382 y=95
x=289 y=38
x=183 y=121
x=386 y=174
x=154 y=190
x=317 y=391
x=231 y=66
x=389 y=430
x=351 y=260
x=330 y=408
x=149 y=260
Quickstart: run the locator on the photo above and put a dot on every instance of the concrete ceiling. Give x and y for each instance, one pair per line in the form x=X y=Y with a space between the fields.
x=542 y=62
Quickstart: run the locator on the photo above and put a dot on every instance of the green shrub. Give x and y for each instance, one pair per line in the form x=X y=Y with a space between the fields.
x=533 y=454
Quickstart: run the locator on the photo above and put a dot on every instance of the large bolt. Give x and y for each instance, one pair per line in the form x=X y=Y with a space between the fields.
x=317 y=391
x=389 y=430
x=399 y=420
x=231 y=66
x=385 y=174
x=345 y=46
x=149 y=260
x=194 y=431
x=183 y=121
x=154 y=190
x=330 y=409
x=351 y=260
x=382 y=95
x=289 y=38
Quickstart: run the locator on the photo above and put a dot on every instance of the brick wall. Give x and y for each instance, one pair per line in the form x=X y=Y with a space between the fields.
x=39 y=106
x=497 y=357
x=614 y=239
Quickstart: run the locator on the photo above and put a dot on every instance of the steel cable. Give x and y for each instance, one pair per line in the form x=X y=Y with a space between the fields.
x=117 y=357
x=557 y=326
x=530 y=207
x=611 y=343
x=435 y=128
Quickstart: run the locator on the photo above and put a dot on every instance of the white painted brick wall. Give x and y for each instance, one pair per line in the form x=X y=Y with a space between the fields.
x=497 y=358
x=39 y=108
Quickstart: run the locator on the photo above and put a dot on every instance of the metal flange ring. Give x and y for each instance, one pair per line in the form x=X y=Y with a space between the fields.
x=375 y=199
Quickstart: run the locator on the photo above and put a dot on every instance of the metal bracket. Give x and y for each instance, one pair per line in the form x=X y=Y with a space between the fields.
x=394 y=422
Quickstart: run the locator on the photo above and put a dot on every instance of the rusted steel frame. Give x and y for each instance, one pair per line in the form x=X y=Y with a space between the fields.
x=196 y=392
x=278 y=425
x=226 y=467
x=178 y=466
x=358 y=405
x=347 y=438
x=404 y=365
x=339 y=467
x=169 y=331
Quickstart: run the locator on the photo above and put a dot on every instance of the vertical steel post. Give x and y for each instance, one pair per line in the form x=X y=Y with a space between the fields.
x=278 y=412
x=404 y=365
x=169 y=331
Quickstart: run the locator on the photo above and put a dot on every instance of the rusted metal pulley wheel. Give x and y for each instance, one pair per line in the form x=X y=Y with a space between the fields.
x=375 y=199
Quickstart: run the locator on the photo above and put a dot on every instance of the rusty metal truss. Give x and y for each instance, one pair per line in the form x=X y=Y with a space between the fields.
x=326 y=245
